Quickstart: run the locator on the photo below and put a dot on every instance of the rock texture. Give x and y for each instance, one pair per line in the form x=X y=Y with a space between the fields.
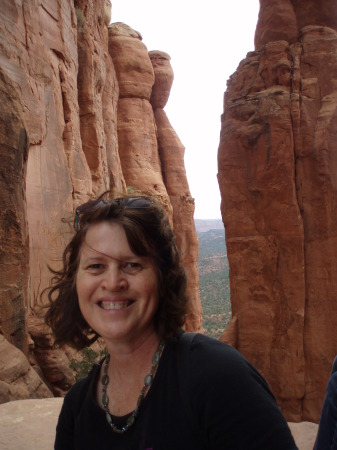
x=76 y=120
x=51 y=363
x=98 y=95
x=17 y=378
x=171 y=153
x=277 y=165
x=14 y=249
x=304 y=434
x=20 y=423
x=136 y=128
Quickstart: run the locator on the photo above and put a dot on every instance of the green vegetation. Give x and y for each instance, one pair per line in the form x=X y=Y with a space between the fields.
x=80 y=17
x=214 y=281
x=88 y=357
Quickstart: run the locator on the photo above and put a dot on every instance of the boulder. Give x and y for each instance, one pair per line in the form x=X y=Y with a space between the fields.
x=304 y=434
x=18 y=380
x=29 y=424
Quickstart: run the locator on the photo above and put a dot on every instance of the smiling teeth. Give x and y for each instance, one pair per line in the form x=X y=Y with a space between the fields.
x=114 y=305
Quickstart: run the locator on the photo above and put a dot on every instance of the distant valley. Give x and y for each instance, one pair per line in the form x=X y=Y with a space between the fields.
x=213 y=276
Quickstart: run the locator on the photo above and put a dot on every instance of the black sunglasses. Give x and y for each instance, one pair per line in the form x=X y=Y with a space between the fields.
x=127 y=202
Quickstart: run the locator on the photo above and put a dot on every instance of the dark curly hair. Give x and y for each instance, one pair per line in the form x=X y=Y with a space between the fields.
x=149 y=233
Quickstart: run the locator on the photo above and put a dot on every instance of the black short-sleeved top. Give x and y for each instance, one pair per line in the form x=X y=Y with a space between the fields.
x=229 y=406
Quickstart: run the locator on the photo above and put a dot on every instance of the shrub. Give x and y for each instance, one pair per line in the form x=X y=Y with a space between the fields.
x=88 y=357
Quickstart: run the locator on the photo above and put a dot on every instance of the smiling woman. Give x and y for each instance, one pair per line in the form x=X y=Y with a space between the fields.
x=158 y=387
x=117 y=289
x=141 y=225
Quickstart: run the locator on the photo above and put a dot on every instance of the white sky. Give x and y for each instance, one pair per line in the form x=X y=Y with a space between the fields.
x=206 y=41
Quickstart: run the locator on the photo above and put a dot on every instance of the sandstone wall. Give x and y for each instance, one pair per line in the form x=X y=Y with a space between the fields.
x=69 y=130
x=277 y=165
x=136 y=128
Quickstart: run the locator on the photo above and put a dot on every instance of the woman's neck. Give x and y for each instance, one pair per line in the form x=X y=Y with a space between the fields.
x=129 y=356
x=128 y=366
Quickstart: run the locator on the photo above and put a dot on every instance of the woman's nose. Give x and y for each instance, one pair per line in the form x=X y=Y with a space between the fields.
x=113 y=279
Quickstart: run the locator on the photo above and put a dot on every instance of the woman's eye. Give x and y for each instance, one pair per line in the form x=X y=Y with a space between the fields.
x=95 y=267
x=131 y=267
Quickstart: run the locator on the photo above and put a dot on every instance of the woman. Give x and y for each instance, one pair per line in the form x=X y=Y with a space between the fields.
x=158 y=388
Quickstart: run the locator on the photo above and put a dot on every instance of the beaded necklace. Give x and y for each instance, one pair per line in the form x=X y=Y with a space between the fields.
x=147 y=383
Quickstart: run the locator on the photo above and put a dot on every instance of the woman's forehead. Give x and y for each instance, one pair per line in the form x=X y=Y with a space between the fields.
x=88 y=253
x=106 y=238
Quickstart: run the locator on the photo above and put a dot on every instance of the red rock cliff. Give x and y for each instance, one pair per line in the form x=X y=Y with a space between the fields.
x=73 y=123
x=277 y=165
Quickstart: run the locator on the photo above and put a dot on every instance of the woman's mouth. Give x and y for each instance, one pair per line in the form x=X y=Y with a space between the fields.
x=114 y=305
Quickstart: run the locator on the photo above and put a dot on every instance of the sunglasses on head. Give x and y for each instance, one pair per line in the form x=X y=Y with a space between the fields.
x=124 y=202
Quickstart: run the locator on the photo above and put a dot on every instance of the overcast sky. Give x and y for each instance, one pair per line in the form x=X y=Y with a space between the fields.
x=206 y=42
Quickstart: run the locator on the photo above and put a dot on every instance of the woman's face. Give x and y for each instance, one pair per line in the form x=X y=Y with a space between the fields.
x=117 y=290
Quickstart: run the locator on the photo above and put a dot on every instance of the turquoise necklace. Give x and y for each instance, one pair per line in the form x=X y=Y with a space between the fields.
x=147 y=383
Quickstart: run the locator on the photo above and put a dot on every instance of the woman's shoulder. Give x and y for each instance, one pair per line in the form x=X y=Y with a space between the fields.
x=204 y=347
x=208 y=357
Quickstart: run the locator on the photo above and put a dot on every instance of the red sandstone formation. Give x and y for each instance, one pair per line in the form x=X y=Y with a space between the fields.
x=278 y=177
x=136 y=129
x=39 y=76
x=17 y=377
x=163 y=79
x=97 y=96
x=14 y=250
x=171 y=152
x=60 y=145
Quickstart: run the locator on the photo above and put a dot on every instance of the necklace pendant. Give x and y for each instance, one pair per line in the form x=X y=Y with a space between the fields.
x=108 y=419
x=105 y=400
x=105 y=380
x=155 y=359
x=148 y=380
x=131 y=420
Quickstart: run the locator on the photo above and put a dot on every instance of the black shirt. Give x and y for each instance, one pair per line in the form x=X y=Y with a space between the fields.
x=206 y=396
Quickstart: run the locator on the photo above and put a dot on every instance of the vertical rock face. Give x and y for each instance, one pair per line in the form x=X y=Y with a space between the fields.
x=136 y=128
x=63 y=141
x=171 y=152
x=42 y=74
x=39 y=57
x=14 y=250
x=98 y=96
x=277 y=175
